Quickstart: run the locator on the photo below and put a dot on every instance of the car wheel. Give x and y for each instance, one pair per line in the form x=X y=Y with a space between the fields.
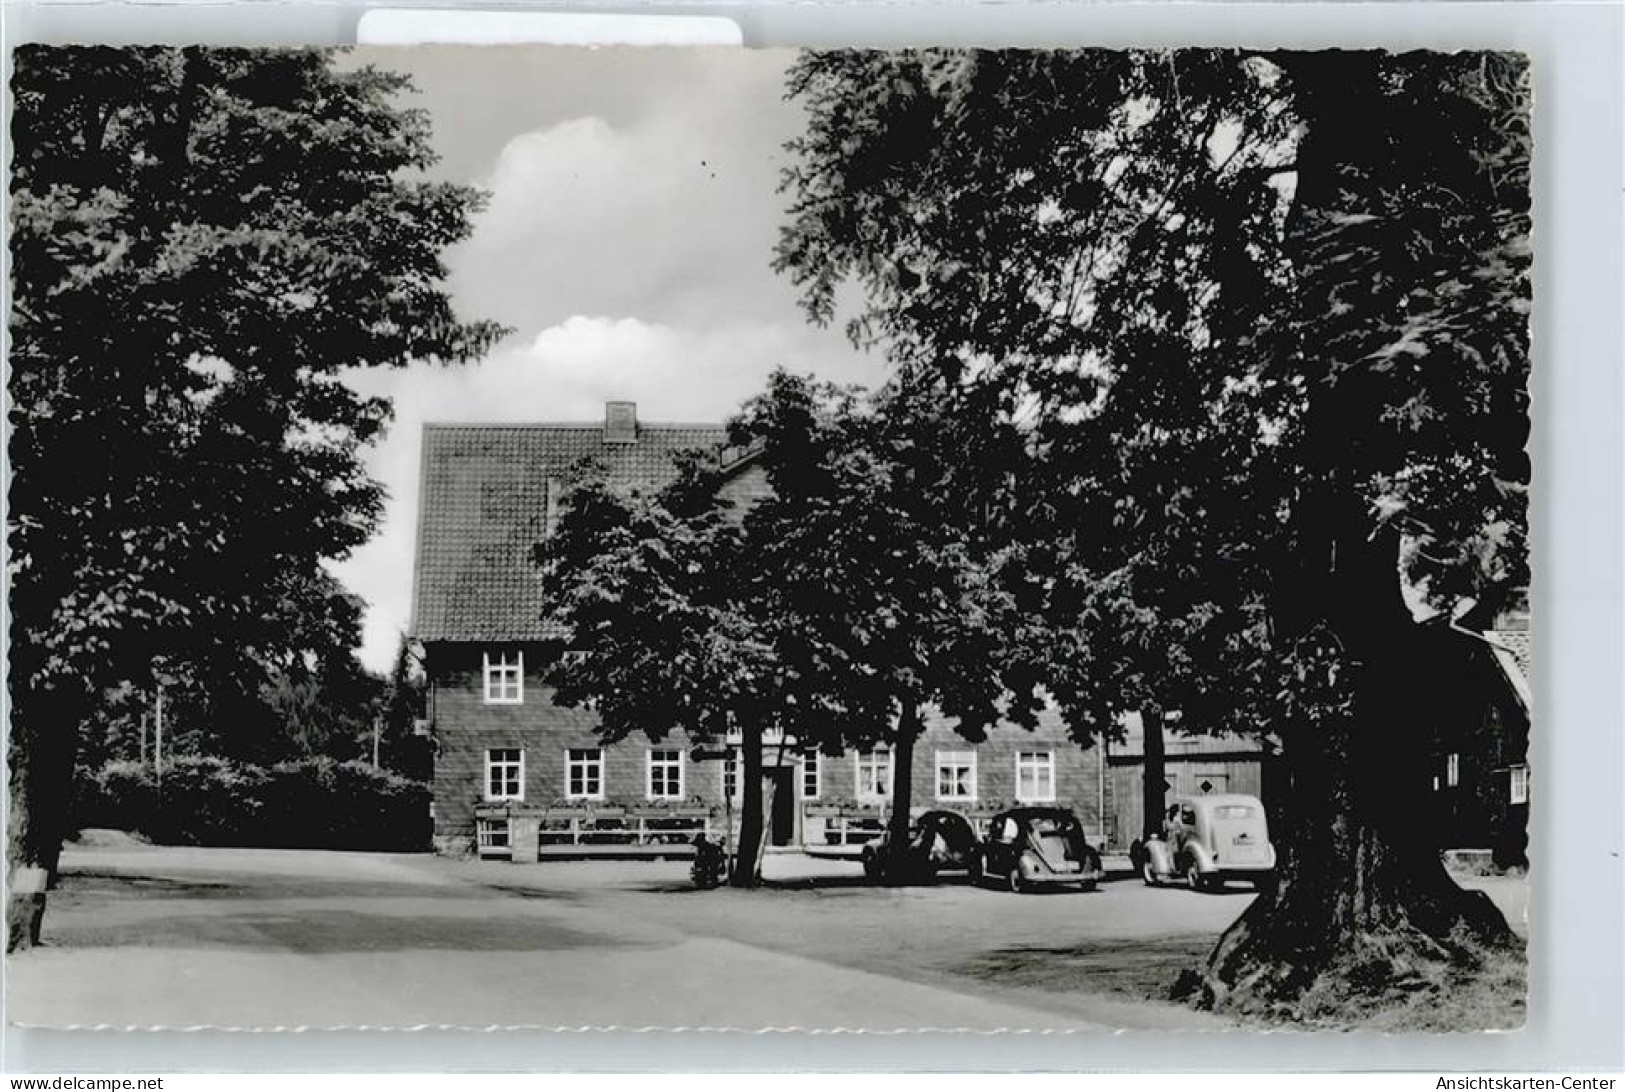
x=975 y=869
x=1017 y=887
x=871 y=867
x=1264 y=885
x=1193 y=877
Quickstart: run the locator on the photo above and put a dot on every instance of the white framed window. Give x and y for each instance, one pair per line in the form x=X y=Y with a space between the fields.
x=504 y=678
x=873 y=774
x=1452 y=769
x=665 y=781
x=584 y=773
x=809 y=777
x=730 y=775
x=1518 y=785
x=504 y=773
x=1035 y=775
x=956 y=775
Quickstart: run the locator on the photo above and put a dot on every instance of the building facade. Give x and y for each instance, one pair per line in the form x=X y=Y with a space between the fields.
x=521 y=777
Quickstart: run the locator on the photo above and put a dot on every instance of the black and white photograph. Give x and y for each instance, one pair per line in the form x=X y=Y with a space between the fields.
x=718 y=538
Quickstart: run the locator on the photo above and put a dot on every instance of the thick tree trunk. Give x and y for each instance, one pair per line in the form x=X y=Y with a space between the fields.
x=748 y=852
x=898 y=861
x=1364 y=911
x=44 y=734
x=1154 y=774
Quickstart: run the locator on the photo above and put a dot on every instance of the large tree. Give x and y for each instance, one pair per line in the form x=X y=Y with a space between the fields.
x=874 y=542
x=668 y=622
x=1265 y=317
x=201 y=241
x=849 y=599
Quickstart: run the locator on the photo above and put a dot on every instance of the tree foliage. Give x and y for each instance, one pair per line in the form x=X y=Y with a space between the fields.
x=1263 y=318
x=202 y=240
x=839 y=607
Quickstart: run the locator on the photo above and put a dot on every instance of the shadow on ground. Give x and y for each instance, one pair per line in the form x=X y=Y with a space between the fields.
x=322 y=932
x=1143 y=970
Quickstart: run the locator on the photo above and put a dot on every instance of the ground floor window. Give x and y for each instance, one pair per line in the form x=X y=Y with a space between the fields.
x=584 y=773
x=1035 y=775
x=504 y=774
x=873 y=775
x=730 y=775
x=809 y=777
x=665 y=775
x=1452 y=770
x=1518 y=787
x=956 y=775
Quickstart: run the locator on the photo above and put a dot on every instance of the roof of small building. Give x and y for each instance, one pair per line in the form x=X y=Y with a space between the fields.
x=483 y=504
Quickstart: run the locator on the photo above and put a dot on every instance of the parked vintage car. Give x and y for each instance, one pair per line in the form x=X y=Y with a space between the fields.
x=1035 y=847
x=1208 y=840
x=939 y=841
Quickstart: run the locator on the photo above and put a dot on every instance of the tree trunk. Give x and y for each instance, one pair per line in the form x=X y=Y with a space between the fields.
x=44 y=734
x=1154 y=774
x=1363 y=913
x=898 y=863
x=748 y=852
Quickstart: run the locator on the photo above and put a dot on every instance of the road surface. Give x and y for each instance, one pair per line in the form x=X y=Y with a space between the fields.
x=142 y=936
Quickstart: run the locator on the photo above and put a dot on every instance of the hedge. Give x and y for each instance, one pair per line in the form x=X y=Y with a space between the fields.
x=316 y=803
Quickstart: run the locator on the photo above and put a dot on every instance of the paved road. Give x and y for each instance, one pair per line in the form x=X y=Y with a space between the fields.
x=172 y=937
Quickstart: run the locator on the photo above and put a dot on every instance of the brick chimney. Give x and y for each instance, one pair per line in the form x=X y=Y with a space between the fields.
x=620 y=422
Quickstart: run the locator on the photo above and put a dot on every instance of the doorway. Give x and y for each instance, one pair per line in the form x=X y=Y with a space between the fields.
x=781 y=820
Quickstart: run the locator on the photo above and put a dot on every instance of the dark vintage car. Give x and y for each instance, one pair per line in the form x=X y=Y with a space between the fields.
x=939 y=841
x=1207 y=840
x=1035 y=847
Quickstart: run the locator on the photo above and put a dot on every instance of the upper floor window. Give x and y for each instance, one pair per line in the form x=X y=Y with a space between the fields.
x=873 y=775
x=504 y=678
x=665 y=775
x=1035 y=775
x=504 y=774
x=1452 y=770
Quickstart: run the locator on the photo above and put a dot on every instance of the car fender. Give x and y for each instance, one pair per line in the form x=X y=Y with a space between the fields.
x=1200 y=854
x=1160 y=856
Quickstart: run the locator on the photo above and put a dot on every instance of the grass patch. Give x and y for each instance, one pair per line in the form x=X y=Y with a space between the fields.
x=1488 y=992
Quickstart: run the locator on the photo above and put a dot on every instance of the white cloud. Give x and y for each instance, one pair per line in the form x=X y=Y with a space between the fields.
x=627 y=240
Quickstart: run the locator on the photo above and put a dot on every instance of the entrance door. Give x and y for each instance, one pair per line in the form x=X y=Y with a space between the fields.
x=781 y=821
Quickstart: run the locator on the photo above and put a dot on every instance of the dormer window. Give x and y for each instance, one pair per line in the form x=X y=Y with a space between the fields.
x=504 y=678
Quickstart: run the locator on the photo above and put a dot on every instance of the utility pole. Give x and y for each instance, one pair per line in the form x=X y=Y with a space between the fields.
x=375 y=721
x=143 y=741
x=158 y=736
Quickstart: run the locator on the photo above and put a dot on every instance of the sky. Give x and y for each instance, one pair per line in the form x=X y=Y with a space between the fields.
x=627 y=241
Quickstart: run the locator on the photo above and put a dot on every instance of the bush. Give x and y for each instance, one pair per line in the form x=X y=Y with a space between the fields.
x=315 y=803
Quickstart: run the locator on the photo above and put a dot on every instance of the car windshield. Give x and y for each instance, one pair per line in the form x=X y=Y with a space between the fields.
x=1234 y=811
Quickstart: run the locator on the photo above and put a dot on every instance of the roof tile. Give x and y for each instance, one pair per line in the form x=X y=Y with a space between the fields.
x=482 y=504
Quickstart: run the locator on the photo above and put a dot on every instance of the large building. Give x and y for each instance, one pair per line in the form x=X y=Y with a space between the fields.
x=521 y=777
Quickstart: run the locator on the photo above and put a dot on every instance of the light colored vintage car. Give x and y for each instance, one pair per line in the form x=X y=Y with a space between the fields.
x=1208 y=840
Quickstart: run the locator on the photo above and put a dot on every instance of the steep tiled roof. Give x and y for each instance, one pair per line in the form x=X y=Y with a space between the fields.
x=483 y=500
